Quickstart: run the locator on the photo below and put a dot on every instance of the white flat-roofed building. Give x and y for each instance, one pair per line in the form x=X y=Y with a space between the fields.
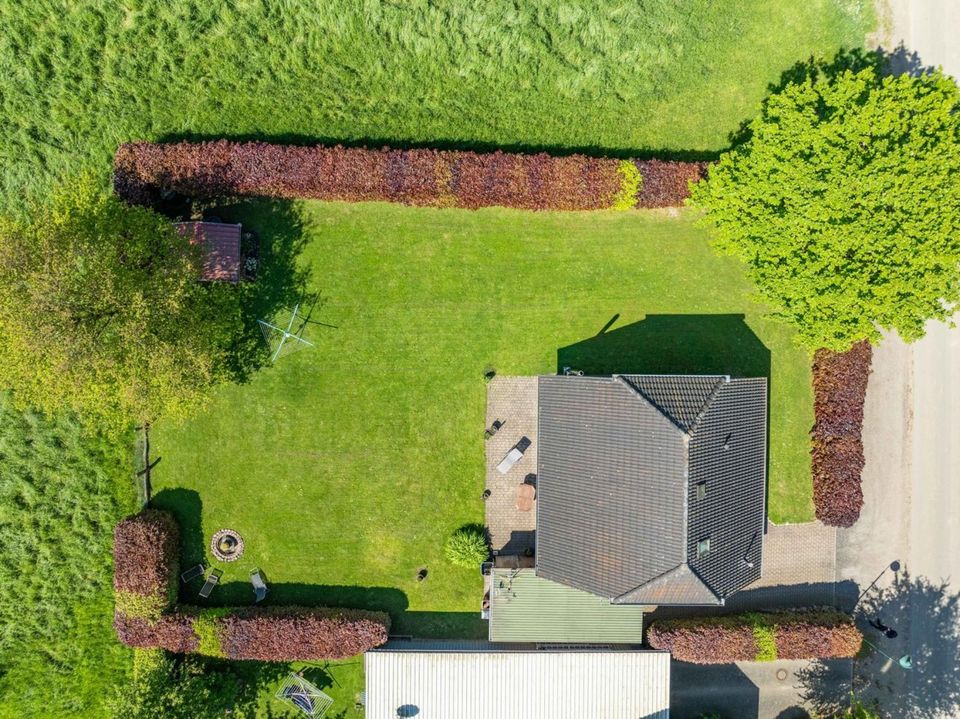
x=462 y=680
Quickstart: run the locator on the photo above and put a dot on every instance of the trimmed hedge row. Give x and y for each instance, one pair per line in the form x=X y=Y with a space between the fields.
x=146 y=581
x=299 y=634
x=143 y=171
x=820 y=634
x=274 y=634
x=840 y=388
x=146 y=547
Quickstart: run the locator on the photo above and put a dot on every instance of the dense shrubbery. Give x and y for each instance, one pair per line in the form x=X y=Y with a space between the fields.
x=145 y=551
x=630 y=184
x=166 y=687
x=823 y=634
x=705 y=641
x=468 y=546
x=439 y=178
x=840 y=387
x=173 y=631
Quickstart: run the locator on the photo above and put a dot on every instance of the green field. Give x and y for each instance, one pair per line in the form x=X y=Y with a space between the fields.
x=345 y=467
x=61 y=492
x=615 y=76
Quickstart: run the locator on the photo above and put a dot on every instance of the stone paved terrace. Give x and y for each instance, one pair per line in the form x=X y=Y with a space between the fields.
x=513 y=401
x=799 y=570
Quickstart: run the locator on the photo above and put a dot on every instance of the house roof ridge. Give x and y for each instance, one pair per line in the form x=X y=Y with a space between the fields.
x=622 y=379
x=721 y=381
x=682 y=567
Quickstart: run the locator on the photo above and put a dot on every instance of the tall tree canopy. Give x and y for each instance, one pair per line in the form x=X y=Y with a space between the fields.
x=101 y=311
x=844 y=202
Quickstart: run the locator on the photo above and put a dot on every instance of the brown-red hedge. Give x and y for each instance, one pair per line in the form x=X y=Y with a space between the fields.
x=840 y=388
x=826 y=636
x=173 y=631
x=299 y=633
x=143 y=171
x=816 y=634
x=712 y=640
x=145 y=551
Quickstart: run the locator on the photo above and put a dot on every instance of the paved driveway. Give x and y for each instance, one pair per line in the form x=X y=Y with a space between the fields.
x=768 y=690
x=912 y=475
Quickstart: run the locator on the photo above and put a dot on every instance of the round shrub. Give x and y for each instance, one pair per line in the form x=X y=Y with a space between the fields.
x=467 y=547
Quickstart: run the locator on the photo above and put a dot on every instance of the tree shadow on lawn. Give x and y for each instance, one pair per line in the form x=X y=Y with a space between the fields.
x=461 y=145
x=280 y=282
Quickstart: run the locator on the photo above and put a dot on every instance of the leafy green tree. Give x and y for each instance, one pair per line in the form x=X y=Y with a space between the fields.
x=859 y=710
x=844 y=203
x=164 y=687
x=101 y=311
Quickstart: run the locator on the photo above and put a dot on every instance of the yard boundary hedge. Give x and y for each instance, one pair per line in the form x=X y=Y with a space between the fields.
x=146 y=583
x=144 y=172
x=758 y=636
x=840 y=388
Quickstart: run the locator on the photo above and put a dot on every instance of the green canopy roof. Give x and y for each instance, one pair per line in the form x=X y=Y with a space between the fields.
x=528 y=608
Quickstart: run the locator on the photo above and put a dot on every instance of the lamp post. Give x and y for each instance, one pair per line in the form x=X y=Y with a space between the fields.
x=905 y=662
x=894 y=567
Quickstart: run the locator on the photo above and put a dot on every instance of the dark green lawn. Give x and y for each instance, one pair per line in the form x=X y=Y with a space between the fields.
x=612 y=75
x=345 y=467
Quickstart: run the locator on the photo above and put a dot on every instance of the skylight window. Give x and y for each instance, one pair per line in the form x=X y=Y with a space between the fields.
x=703 y=547
x=701 y=490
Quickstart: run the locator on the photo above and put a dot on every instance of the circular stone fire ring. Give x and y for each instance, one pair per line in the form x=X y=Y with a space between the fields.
x=227 y=545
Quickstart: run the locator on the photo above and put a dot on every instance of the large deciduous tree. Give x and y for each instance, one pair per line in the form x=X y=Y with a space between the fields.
x=844 y=203
x=101 y=312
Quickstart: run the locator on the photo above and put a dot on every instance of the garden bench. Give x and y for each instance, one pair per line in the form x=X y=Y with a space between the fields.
x=212 y=579
x=506 y=464
x=260 y=588
x=514 y=455
x=191 y=574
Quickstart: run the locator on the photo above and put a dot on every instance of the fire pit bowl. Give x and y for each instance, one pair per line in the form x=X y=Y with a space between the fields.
x=227 y=545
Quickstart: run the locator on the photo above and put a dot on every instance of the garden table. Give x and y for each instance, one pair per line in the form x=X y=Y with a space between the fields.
x=526 y=493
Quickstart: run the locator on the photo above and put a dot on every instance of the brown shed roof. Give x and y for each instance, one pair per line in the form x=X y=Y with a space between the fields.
x=222 y=244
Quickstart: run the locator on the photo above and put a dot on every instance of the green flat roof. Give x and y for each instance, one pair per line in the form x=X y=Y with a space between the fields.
x=528 y=608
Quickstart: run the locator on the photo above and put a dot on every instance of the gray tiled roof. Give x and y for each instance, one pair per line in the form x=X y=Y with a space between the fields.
x=680 y=397
x=678 y=586
x=620 y=460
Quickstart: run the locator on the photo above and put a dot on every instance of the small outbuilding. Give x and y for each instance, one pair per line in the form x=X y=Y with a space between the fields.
x=438 y=680
x=221 y=244
x=528 y=608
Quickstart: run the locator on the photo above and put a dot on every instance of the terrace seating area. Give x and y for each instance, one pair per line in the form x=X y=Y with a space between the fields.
x=511 y=511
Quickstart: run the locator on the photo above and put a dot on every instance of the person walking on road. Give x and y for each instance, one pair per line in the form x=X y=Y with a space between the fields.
x=888 y=632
